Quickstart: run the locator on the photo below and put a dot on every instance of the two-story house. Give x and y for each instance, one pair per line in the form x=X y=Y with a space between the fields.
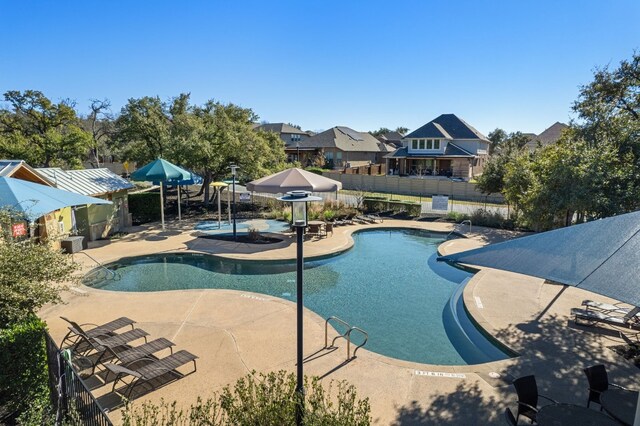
x=291 y=136
x=445 y=146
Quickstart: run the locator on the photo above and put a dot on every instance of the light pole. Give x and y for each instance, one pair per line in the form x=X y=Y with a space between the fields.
x=298 y=200
x=298 y=152
x=233 y=174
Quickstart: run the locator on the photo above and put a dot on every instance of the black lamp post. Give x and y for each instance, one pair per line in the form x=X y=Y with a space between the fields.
x=298 y=200
x=233 y=174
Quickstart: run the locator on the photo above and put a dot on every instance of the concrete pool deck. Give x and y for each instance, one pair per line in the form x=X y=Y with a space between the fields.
x=235 y=332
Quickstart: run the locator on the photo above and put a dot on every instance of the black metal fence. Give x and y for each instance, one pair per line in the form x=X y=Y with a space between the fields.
x=70 y=396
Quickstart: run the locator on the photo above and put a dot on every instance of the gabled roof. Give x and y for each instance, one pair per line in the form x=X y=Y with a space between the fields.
x=19 y=169
x=280 y=128
x=447 y=126
x=86 y=182
x=552 y=134
x=345 y=139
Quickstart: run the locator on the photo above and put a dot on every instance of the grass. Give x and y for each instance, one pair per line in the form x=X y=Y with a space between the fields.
x=401 y=197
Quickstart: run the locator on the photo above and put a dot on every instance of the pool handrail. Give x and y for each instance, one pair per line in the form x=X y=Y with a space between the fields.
x=366 y=338
x=346 y=335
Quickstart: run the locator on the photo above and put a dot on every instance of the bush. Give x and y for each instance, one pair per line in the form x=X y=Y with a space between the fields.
x=316 y=170
x=264 y=399
x=482 y=217
x=328 y=215
x=457 y=216
x=23 y=376
x=144 y=207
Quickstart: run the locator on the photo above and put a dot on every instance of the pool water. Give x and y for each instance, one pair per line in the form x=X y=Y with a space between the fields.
x=388 y=284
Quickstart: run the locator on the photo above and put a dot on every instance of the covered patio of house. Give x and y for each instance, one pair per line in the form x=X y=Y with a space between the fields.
x=455 y=165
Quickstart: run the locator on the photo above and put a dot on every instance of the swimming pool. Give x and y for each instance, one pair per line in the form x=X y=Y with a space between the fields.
x=388 y=284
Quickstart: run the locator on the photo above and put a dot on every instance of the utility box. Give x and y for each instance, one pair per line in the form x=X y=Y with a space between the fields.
x=72 y=244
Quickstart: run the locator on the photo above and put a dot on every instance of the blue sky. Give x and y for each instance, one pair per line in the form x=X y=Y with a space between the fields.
x=516 y=65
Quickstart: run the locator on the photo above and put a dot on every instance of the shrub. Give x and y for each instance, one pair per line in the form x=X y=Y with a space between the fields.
x=457 y=216
x=328 y=214
x=375 y=204
x=316 y=170
x=264 y=399
x=144 y=207
x=23 y=376
x=482 y=217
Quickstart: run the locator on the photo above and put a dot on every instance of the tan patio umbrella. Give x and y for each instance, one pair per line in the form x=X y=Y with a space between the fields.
x=219 y=186
x=294 y=180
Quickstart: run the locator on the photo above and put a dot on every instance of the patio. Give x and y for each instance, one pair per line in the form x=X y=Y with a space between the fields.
x=235 y=332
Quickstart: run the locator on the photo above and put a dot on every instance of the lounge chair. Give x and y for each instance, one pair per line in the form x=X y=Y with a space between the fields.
x=598 y=383
x=363 y=219
x=113 y=352
x=606 y=307
x=527 y=390
x=86 y=345
x=590 y=317
x=152 y=370
x=106 y=329
x=373 y=217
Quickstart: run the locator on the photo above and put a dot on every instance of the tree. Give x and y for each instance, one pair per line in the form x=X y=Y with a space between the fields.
x=402 y=130
x=381 y=131
x=41 y=132
x=100 y=125
x=496 y=137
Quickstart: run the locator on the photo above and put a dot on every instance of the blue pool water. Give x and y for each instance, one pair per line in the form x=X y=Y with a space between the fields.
x=242 y=226
x=388 y=284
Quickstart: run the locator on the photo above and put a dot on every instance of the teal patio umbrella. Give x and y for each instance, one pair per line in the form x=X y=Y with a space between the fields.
x=161 y=171
x=33 y=200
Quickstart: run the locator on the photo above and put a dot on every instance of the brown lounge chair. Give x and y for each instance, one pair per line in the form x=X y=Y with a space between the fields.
x=113 y=351
x=83 y=342
x=152 y=370
x=106 y=329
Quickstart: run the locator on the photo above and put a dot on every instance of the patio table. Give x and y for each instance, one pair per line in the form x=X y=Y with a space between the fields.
x=571 y=414
x=620 y=404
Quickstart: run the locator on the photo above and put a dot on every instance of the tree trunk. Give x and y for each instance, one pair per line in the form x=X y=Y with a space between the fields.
x=205 y=184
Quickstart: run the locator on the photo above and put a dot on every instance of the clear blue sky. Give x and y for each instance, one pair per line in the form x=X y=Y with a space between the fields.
x=364 y=64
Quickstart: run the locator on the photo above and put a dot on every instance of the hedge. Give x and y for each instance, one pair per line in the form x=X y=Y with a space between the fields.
x=23 y=357
x=144 y=207
x=377 y=204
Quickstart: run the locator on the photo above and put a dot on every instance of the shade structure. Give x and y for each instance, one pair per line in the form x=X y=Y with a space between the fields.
x=34 y=200
x=219 y=186
x=600 y=256
x=294 y=179
x=162 y=171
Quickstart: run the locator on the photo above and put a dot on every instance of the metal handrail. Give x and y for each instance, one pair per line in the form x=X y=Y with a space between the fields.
x=114 y=274
x=346 y=336
x=326 y=331
x=366 y=338
x=465 y=221
x=454 y=230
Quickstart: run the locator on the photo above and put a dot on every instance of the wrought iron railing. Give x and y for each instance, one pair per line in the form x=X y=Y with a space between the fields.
x=70 y=396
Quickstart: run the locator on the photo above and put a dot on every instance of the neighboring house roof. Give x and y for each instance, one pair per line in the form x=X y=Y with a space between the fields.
x=548 y=136
x=447 y=126
x=552 y=134
x=452 y=150
x=345 y=139
x=280 y=128
x=19 y=169
x=86 y=182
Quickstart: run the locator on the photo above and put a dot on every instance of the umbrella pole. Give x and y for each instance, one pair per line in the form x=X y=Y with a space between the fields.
x=229 y=206
x=219 y=190
x=161 y=207
x=179 y=214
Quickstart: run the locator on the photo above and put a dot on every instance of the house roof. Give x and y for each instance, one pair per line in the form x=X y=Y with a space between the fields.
x=280 y=128
x=451 y=150
x=447 y=126
x=19 y=169
x=552 y=134
x=86 y=182
x=345 y=139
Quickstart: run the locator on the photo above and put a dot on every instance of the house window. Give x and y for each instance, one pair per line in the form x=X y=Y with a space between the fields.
x=295 y=138
x=436 y=144
x=414 y=144
x=429 y=143
x=421 y=143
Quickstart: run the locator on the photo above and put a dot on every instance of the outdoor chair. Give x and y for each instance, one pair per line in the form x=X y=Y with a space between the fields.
x=363 y=219
x=605 y=307
x=373 y=218
x=314 y=230
x=108 y=328
x=123 y=354
x=153 y=369
x=508 y=417
x=589 y=317
x=86 y=345
x=328 y=227
x=527 y=390
x=598 y=383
